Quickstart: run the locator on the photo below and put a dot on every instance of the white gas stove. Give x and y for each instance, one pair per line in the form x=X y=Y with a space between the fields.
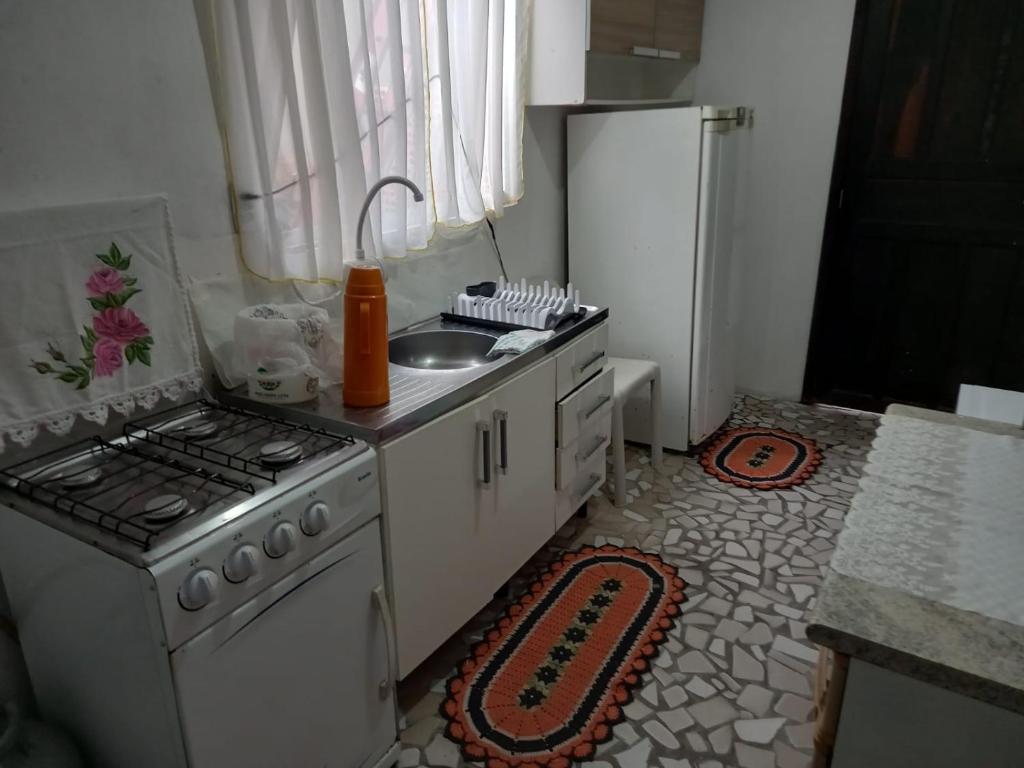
x=205 y=591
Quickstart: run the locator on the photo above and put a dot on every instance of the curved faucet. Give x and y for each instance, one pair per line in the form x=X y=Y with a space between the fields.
x=416 y=195
x=360 y=254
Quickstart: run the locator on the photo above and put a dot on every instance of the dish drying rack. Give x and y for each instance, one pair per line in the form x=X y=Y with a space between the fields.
x=515 y=306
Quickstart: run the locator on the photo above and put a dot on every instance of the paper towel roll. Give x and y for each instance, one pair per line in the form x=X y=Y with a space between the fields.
x=280 y=382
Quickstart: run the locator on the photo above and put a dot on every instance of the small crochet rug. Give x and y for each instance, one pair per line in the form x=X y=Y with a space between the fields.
x=761 y=457
x=549 y=681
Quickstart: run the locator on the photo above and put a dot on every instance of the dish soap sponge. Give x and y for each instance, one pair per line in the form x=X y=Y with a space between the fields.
x=365 y=375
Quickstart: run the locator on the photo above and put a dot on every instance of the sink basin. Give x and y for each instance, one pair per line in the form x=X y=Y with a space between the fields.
x=441 y=350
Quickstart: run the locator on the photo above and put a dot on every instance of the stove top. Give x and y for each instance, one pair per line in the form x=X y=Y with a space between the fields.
x=173 y=476
x=262 y=447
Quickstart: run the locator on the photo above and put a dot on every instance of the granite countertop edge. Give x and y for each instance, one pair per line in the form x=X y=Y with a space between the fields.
x=960 y=651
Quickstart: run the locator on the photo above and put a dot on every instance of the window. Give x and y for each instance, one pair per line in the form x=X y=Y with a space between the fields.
x=317 y=99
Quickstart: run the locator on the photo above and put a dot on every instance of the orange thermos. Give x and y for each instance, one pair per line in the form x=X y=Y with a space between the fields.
x=365 y=378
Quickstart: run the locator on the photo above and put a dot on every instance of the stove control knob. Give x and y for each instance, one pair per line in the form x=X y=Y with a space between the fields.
x=281 y=540
x=315 y=518
x=240 y=563
x=198 y=590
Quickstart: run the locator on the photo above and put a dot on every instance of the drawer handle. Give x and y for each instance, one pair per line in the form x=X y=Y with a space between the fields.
x=502 y=419
x=600 y=444
x=483 y=431
x=595 y=483
x=600 y=404
x=598 y=356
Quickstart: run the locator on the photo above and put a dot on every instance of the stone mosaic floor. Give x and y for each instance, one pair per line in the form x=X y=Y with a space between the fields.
x=732 y=686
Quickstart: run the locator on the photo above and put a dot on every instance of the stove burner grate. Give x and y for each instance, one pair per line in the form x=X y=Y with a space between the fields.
x=242 y=440
x=130 y=475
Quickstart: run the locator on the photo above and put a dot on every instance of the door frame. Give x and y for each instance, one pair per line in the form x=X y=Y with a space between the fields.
x=831 y=241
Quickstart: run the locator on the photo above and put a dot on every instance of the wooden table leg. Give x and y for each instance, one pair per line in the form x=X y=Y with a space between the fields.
x=828 y=698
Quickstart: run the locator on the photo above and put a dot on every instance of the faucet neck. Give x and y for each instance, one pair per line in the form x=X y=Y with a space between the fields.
x=416 y=194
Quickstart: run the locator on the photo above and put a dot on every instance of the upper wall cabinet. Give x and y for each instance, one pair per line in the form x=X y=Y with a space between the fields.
x=668 y=29
x=677 y=28
x=608 y=51
x=621 y=27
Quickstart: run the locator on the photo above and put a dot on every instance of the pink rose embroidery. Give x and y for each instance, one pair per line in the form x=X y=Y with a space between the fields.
x=108 y=355
x=119 y=324
x=117 y=337
x=103 y=281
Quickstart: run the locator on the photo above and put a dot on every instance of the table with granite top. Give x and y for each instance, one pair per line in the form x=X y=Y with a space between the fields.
x=927 y=579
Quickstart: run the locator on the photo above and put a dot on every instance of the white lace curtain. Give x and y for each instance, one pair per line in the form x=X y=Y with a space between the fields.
x=317 y=99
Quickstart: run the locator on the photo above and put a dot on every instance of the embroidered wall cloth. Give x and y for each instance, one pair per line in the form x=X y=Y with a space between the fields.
x=92 y=315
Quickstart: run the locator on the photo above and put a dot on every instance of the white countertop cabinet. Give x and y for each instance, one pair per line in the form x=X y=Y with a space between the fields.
x=463 y=512
x=473 y=494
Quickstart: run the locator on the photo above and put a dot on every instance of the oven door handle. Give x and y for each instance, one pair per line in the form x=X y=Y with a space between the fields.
x=380 y=599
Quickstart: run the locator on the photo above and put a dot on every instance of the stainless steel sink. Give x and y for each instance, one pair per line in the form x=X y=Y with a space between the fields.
x=441 y=350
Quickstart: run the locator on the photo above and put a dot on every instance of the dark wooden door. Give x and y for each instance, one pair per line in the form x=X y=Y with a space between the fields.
x=921 y=286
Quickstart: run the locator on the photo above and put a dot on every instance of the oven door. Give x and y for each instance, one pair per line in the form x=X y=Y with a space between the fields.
x=300 y=675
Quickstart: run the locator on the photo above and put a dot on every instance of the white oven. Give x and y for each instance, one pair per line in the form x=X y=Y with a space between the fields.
x=259 y=638
x=298 y=677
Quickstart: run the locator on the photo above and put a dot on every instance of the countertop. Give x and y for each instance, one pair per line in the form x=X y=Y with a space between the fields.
x=417 y=396
x=927 y=579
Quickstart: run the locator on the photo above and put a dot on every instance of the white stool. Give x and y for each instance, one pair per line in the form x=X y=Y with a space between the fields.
x=630 y=375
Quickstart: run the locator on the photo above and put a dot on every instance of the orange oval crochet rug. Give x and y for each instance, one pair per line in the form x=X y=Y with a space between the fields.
x=761 y=457
x=549 y=681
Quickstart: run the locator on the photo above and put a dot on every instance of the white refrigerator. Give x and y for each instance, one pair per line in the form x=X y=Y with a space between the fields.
x=651 y=217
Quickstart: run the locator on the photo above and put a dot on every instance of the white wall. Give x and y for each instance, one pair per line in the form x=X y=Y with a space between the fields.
x=787 y=59
x=532 y=234
x=109 y=99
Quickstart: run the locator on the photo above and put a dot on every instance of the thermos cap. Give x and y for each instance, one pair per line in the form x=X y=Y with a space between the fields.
x=364 y=280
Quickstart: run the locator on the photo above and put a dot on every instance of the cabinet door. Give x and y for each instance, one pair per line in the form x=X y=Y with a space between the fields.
x=677 y=27
x=617 y=26
x=558 y=53
x=525 y=514
x=438 y=512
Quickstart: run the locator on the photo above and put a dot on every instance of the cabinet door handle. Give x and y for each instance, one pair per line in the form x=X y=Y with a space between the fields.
x=483 y=431
x=380 y=599
x=597 y=356
x=600 y=404
x=501 y=417
x=643 y=50
x=600 y=444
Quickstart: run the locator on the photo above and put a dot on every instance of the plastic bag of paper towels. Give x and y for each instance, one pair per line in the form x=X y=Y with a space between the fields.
x=284 y=351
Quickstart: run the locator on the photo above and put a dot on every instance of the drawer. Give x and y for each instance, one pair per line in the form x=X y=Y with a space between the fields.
x=587 y=405
x=594 y=440
x=589 y=478
x=581 y=360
